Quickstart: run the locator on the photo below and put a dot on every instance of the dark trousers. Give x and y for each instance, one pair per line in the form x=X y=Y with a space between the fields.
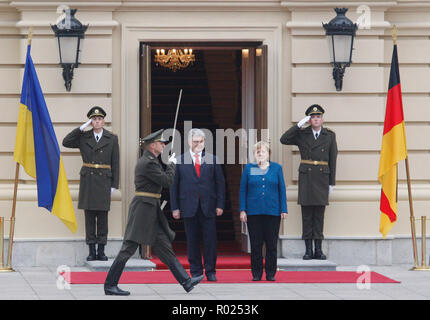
x=196 y=228
x=313 y=222
x=263 y=229
x=162 y=248
x=96 y=226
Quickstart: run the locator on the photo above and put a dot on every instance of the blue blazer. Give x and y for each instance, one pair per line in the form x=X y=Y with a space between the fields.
x=263 y=193
x=186 y=188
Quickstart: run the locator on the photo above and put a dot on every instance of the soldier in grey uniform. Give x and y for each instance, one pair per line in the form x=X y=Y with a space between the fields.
x=317 y=174
x=99 y=177
x=146 y=223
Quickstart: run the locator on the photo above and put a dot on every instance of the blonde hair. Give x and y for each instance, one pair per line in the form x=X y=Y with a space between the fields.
x=262 y=144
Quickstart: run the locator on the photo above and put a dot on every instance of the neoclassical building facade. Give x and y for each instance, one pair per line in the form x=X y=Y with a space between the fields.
x=271 y=94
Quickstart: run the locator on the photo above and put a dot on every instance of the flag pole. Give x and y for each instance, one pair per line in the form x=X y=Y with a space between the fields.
x=12 y=220
x=411 y=208
x=412 y=217
x=15 y=191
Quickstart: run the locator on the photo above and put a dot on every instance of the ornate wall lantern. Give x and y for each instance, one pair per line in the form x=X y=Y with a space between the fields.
x=70 y=34
x=340 y=33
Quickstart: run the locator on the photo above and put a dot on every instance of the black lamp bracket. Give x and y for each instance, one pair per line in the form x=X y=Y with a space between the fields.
x=338 y=72
x=68 y=74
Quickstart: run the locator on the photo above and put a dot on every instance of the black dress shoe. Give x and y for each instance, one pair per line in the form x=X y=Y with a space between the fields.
x=192 y=282
x=211 y=277
x=256 y=278
x=115 y=291
x=270 y=278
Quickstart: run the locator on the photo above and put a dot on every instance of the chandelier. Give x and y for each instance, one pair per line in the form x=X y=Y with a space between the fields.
x=175 y=59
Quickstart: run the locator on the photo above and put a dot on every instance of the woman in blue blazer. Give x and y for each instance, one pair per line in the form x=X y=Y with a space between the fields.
x=263 y=202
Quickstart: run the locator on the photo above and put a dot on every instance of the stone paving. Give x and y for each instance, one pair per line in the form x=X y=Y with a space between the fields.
x=41 y=283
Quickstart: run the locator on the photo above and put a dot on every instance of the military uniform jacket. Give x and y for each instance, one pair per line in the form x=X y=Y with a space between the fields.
x=145 y=215
x=95 y=184
x=314 y=180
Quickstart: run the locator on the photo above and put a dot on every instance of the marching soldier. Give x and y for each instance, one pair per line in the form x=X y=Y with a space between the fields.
x=146 y=223
x=99 y=177
x=317 y=172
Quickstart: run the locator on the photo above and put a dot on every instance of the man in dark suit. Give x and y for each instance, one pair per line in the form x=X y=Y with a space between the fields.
x=99 y=177
x=146 y=224
x=198 y=195
x=317 y=174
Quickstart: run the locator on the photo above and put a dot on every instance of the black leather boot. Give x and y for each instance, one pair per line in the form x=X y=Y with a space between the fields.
x=308 y=253
x=319 y=255
x=101 y=253
x=115 y=291
x=192 y=282
x=92 y=255
x=183 y=278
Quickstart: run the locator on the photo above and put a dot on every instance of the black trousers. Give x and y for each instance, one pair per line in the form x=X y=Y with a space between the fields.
x=196 y=228
x=263 y=229
x=96 y=226
x=313 y=222
x=162 y=248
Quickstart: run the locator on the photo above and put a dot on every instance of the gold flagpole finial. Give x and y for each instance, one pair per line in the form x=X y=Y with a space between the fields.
x=30 y=35
x=395 y=34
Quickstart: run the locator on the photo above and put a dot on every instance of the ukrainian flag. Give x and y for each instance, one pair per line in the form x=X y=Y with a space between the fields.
x=37 y=150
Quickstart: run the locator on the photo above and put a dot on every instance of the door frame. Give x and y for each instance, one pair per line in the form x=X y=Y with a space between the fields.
x=131 y=37
x=253 y=91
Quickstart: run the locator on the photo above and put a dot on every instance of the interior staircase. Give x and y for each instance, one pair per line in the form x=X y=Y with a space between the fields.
x=196 y=106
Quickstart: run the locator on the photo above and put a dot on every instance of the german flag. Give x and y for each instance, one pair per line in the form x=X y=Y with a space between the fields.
x=393 y=148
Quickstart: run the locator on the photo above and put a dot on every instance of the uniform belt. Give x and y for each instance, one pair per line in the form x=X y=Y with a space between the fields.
x=315 y=163
x=96 y=166
x=148 y=194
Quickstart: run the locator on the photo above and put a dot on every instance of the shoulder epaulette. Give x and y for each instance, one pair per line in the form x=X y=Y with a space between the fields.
x=330 y=130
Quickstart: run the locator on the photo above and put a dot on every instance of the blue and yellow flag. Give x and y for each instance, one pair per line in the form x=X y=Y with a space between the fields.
x=37 y=150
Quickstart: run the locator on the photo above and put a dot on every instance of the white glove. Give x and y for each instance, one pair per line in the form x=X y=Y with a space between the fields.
x=172 y=159
x=330 y=189
x=86 y=124
x=112 y=190
x=303 y=121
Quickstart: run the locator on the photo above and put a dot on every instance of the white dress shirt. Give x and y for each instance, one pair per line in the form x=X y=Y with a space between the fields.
x=316 y=133
x=99 y=135
x=194 y=157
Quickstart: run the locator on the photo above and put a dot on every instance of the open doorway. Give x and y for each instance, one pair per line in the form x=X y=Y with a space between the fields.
x=224 y=89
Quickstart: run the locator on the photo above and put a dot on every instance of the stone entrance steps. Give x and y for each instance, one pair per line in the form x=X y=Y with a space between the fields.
x=283 y=265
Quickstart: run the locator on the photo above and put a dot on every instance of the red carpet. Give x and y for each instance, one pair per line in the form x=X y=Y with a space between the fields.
x=228 y=276
x=223 y=262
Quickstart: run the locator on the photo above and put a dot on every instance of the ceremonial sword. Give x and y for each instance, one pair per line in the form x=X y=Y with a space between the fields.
x=176 y=119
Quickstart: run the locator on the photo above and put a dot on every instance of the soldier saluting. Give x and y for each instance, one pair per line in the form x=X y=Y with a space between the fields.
x=317 y=174
x=99 y=176
x=146 y=223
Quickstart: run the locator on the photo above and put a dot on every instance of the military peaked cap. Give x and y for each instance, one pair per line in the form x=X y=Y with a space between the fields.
x=314 y=109
x=96 y=111
x=154 y=137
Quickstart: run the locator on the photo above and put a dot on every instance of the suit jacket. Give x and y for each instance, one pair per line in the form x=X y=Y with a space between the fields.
x=145 y=215
x=95 y=184
x=314 y=180
x=188 y=189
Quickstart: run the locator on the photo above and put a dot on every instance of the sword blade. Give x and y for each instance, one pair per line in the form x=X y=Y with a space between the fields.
x=176 y=118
